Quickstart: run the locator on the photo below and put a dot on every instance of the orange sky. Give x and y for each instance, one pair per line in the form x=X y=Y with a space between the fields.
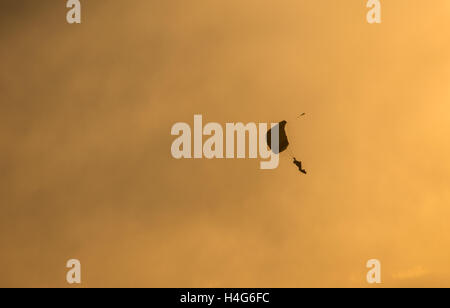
x=86 y=169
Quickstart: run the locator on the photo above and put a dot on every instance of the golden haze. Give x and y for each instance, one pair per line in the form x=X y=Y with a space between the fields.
x=86 y=170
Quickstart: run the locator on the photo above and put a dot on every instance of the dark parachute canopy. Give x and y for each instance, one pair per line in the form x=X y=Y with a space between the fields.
x=282 y=137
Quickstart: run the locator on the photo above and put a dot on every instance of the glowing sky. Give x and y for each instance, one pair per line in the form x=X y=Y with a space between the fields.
x=85 y=164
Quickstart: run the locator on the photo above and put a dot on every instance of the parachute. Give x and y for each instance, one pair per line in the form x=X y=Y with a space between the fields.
x=283 y=142
x=282 y=137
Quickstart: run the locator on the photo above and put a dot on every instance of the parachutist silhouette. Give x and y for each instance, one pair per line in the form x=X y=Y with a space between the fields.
x=299 y=165
x=283 y=142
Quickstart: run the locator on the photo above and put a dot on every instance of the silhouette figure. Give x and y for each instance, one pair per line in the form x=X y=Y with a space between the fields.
x=299 y=165
x=283 y=142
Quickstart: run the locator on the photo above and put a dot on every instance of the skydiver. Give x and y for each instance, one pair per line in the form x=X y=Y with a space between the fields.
x=299 y=165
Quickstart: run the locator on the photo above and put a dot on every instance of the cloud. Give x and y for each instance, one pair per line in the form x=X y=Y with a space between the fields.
x=86 y=170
